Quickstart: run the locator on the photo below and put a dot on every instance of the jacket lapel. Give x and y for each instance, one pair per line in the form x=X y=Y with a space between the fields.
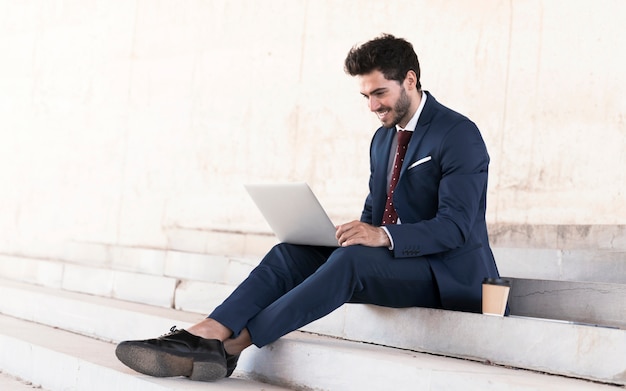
x=382 y=165
x=421 y=128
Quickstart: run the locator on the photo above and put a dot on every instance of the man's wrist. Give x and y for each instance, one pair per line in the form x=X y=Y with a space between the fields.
x=389 y=240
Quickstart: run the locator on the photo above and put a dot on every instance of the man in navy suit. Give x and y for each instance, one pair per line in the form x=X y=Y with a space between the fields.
x=421 y=239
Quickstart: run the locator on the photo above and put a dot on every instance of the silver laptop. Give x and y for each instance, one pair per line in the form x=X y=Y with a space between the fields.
x=294 y=213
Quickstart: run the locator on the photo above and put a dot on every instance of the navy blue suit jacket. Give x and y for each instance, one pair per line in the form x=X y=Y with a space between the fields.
x=440 y=201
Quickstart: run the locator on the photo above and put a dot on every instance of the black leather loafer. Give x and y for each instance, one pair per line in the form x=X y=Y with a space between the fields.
x=231 y=363
x=178 y=353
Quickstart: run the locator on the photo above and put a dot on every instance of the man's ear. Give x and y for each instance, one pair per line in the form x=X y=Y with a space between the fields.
x=410 y=80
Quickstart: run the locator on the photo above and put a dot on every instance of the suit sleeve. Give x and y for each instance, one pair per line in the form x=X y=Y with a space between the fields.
x=461 y=195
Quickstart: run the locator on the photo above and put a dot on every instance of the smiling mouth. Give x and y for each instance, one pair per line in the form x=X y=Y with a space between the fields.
x=382 y=114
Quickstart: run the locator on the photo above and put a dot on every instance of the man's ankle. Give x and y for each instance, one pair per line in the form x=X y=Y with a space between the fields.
x=210 y=329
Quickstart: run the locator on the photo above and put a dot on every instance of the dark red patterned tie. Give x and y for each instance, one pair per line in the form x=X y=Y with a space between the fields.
x=390 y=216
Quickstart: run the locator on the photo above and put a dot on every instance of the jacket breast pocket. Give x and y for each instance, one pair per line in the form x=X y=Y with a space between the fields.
x=425 y=168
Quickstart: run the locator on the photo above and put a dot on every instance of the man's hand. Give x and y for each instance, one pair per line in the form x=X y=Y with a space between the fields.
x=357 y=232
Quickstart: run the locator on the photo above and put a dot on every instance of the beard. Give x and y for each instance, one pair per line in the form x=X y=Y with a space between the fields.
x=400 y=109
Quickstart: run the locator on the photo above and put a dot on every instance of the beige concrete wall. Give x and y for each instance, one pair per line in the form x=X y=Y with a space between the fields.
x=121 y=121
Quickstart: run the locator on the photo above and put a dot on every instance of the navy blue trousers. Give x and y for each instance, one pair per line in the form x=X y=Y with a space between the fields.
x=295 y=285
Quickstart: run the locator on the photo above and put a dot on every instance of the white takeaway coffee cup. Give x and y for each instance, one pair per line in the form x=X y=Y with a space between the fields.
x=495 y=296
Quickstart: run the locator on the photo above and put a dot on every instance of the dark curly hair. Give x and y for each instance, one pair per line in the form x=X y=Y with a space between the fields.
x=392 y=56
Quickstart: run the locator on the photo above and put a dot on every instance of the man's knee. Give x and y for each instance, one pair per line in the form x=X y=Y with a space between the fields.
x=347 y=257
x=279 y=255
x=295 y=261
x=359 y=252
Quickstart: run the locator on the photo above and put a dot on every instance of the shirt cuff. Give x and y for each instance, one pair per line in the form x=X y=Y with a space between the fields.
x=389 y=236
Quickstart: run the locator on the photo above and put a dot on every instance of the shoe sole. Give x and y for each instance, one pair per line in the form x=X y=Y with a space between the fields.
x=157 y=363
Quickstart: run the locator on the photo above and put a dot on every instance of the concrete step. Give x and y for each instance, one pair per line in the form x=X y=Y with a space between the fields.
x=62 y=360
x=573 y=350
x=59 y=360
x=550 y=346
x=167 y=278
x=12 y=383
x=594 y=237
x=584 y=302
x=570 y=242
x=593 y=303
x=559 y=253
x=580 y=265
x=334 y=364
x=199 y=282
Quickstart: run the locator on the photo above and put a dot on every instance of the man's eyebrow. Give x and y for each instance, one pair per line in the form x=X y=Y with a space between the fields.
x=376 y=91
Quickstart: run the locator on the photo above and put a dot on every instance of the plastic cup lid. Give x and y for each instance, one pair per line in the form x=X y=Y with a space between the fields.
x=497 y=281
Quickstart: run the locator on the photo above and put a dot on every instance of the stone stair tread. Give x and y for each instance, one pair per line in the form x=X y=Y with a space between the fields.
x=361 y=366
x=60 y=360
x=124 y=320
x=543 y=345
x=596 y=303
x=12 y=383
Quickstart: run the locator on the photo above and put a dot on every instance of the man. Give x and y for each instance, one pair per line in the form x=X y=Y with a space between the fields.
x=421 y=240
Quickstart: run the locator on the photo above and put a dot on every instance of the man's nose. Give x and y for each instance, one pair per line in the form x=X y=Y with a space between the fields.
x=374 y=104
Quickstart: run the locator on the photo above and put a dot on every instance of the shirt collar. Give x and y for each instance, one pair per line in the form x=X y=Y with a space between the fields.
x=413 y=122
